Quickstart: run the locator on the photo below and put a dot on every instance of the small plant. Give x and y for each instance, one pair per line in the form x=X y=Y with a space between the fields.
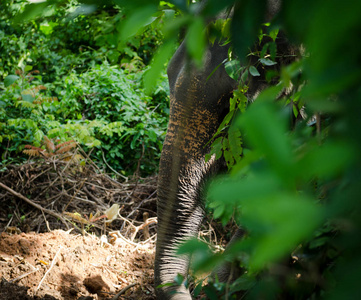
x=28 y=92
x=51 y=149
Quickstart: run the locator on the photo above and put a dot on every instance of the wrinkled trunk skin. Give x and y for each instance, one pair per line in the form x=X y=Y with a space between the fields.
x=197 y=106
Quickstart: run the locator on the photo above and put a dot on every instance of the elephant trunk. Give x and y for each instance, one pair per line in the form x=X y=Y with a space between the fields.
x=198 y=104
x=180 y=213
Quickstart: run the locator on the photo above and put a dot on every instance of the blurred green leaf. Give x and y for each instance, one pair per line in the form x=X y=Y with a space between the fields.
x=32 y=10
x=248 y=17
x=329 y=71
x=282 y=219
x=327 y=160
x=136 y=20
x=28 y=98
x=191 y=246
x=162 y=56
x=267 y=62
x=253 y=71
x=233 y=68
x=266 y=130
x=195 y=40
x=10 y=79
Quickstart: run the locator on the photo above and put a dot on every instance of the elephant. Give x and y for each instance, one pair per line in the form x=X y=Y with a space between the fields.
x=198 y=104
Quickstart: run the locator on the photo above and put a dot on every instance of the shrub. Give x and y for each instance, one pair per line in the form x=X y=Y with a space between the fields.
x=133 y=125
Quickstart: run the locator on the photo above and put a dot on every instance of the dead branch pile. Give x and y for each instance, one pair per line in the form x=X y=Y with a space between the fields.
x=48 y=194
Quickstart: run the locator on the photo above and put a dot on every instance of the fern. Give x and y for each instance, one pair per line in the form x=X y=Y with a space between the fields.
x=32 y=152
x=51 y=149
x=49 y=144
x=65 y=144
x=65 y=149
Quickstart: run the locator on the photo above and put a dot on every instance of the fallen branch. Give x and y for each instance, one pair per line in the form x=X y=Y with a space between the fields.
x=122 y=291
x=48 y=211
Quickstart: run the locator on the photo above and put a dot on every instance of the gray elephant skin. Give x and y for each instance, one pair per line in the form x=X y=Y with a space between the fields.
x=198 y=105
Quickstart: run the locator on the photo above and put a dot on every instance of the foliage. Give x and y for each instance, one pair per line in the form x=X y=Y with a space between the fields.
x=41 y=61
x=104 y=106
x=28 y=113
x=132 y=121
x=294 y=191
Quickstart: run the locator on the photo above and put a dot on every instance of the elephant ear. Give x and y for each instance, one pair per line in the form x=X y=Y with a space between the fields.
x=248 y=16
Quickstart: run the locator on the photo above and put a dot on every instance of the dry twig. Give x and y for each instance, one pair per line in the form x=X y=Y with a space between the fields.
x=51 y=266
x=48 y=211
x=122 y=291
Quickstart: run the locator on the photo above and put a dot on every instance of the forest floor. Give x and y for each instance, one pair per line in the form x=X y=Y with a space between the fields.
x=69 y=231
x=58 y=239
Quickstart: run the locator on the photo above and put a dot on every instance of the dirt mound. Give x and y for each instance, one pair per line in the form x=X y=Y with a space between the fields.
x=61 y=265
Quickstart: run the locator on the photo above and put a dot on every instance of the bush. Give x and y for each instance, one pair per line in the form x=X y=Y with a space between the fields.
x=134 y=125
x=51 y=63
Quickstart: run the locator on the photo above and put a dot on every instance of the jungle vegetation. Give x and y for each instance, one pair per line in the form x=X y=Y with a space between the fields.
x=65 y=66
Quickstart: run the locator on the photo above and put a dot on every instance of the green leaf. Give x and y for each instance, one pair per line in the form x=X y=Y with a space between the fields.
x=152 y=135
x=28 y=68
x=235 y=142
x=28 y=98
x=242 y=103
x=228 y=118
x=218 y=212
x=216 y=147
x=253 y=71
x=31 y=11
x=327 y=160
x=10 y=79
x=266 y=131
x=228 y=158
x=282 y=217
x=244 y=75
x=198 y=289
x=195 y=40
x=273 y=34
x=233 y=68
x=163 y=55
x=191 y=246
x=243 y=283
x=179 y=279
x=275 y=218
x=38 y=135
x=138 y=19
x=267 y=62
x=248 y=17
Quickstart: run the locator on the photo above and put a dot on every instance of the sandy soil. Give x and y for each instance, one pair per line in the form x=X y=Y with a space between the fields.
x=62 y=265
x=53 y=240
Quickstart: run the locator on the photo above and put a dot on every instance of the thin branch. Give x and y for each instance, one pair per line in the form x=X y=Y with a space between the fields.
x=48 y=211
x=51 y=266
x=26 y=274
x=122 y=291
x=120 y=175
